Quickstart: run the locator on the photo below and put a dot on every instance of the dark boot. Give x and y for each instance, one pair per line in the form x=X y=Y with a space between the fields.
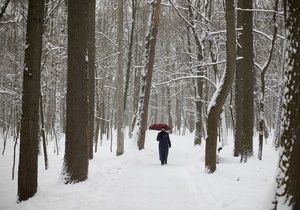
x=165 y=162
x=162 y=162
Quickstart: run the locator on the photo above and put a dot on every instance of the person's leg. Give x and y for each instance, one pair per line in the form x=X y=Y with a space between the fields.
x=167 y=154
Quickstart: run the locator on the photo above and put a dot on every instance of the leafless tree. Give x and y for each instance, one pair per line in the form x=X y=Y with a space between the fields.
x=147 y=72
x=120 y=81
x=29 y=139
x=76 y=159
x=222 y=92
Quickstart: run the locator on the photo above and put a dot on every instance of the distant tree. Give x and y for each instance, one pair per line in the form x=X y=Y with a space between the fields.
x=198 y=83
x=263 y=87
x=76 y=159
x=192 y=21
x=29 y=140
x=288 y=179
x=277 y=130
x=134 y=6
x=120 y=81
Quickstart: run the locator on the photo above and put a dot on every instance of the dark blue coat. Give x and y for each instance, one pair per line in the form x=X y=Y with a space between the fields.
x=164 y=144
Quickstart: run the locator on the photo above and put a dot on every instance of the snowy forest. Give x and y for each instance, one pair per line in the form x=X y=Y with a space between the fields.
x=84 y=73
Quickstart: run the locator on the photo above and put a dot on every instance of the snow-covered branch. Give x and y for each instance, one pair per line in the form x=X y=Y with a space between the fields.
x=183 y=78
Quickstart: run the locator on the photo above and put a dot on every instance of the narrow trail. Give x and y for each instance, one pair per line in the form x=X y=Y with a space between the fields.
x=148 y=185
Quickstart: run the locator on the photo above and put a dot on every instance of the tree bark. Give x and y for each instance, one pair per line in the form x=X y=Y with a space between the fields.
x=76 y=159
x=146 y=79
x=129 y=55
x=248 y=79
x=43 y=134
x=91 y=73
x=239 y=85
x=288 y=179
x=120 y=99
x=28 y=160
x=170 y=121
x=4 y=8
x=277 y=132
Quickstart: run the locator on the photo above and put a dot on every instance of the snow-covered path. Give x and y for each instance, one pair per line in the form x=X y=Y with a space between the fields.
x=136 y=180
x=149 y=185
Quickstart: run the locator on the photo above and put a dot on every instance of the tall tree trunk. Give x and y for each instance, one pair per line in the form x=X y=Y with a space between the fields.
x=43 y=134
x=76 y=159
x=278 y=122
x=248 y=79
x=198 y=117
x=135 y=100
x=129 y=55
x=97 y=129
x=288 y=179
x=198 y=82
x=170 y=121
x=178 y=108
x=192 y=121
x=221 y=94
x=239 y=85
x=57 y=110
x=120 y=102
x=262 y=120
x=28 y=161
x=148 y=70
x=91 y=73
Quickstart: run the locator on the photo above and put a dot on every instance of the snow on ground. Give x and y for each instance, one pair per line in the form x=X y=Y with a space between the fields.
x=136 y=180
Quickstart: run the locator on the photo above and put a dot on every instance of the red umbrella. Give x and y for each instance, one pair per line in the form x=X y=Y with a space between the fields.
x=159 y=126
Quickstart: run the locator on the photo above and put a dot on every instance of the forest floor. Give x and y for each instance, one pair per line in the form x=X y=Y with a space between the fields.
x=136 y=180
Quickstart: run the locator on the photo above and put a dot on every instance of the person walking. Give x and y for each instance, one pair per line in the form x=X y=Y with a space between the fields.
x=164 y=145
